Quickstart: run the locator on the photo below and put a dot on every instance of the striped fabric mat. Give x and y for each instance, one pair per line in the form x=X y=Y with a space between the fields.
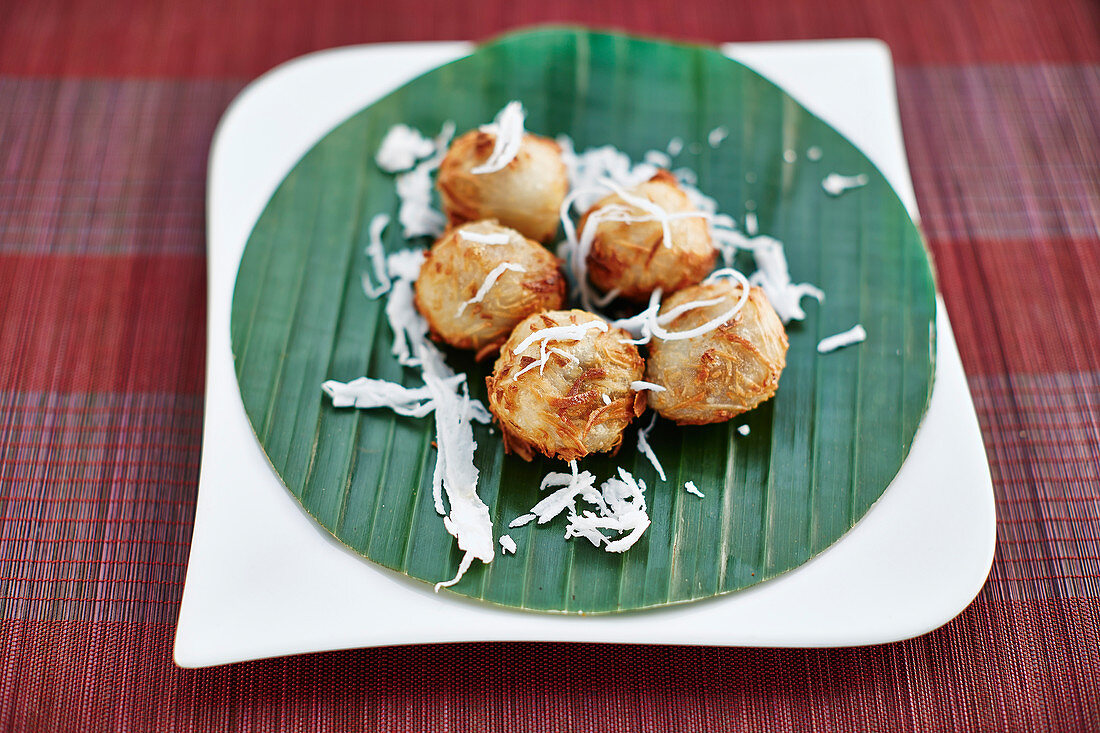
x=106 y=116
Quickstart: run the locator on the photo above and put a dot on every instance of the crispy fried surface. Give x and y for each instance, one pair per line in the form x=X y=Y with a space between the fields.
x=525 y=195
x=722 y=373
x=455 y=268
x=561 y=412
x=632 y=256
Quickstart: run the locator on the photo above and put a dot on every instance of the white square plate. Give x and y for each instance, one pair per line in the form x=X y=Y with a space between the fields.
x=264 y=580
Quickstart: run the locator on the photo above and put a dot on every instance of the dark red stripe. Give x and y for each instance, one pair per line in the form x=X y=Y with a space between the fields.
x=1025 y=306
x=80 y=323
x=237 y=38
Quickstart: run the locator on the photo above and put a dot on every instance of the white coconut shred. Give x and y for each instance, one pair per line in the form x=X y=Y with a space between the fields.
x=488 y=283
x=401 y=148
x=507 y=128
x=416 y=214
x=836 y=184
x=853 y=335
x=691 y=488
x=377 y=255
x=616 y=519
x=455 y=478
x=646 y=450
x=484 y=237
x=640 y=386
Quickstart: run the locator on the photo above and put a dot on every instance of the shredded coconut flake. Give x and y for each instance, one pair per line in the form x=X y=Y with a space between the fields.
x=401 y=148
x=638 y=325
x=751 y=227
x=463 y=566
x=691 y=488
x=646 y=450
x=521 y=520
x=618 y=507
x=414 y=189
x=774 y=277
x=366 y=393
x=743 y=429
x=673 y=313
x=658 y=158
x=444 y=393
x=572 y=332
x=407 y=325
x=712 y=324
x=688 y=179
x=717 y=135
x=507 y=127
x=565 y=355
x=484 y=237
x=640 y=386
x=377 y=255
x=675 y=146
x=836 y=184
x=814 y=153
x=789 y=155
x=554 y=333
x=853 y=335
x=507 y=545
x=488 y=283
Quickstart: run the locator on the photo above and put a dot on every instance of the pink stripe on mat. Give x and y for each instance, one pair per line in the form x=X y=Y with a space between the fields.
x=1004 y=152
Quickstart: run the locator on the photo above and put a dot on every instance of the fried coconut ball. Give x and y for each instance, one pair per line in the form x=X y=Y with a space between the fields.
x=728 y=370
x=579 y=400
x=632 y=257
x=525 y=195
x=473 y=291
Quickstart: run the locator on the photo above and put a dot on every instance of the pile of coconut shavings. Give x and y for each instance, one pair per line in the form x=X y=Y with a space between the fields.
x=618 y=507
x=446 y=394
x=401 y=148
x=414 y=187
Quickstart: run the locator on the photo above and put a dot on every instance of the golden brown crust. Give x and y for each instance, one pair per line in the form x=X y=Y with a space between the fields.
x=561 y=412
x=525 y=195
x=725 y=372
x=632 y=256
x=455 y=268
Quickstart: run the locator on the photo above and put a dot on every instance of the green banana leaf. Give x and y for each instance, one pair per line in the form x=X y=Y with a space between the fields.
x=818 y=455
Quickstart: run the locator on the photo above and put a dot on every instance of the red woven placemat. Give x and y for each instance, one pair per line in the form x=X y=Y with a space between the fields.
x=106 y=114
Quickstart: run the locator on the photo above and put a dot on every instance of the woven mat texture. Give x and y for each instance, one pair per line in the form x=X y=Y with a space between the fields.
x=106 y=115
